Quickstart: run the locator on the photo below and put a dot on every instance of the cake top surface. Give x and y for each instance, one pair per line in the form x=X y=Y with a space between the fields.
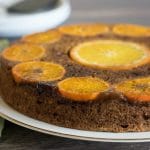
x=85 y=60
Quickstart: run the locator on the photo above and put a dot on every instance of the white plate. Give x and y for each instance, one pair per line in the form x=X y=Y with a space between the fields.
x=14 y=116
x=14 y=25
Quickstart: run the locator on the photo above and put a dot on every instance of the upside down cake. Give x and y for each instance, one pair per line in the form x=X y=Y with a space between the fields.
x=84 y=76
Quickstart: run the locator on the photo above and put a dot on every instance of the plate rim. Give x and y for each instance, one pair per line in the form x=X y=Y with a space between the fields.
x=4 y=107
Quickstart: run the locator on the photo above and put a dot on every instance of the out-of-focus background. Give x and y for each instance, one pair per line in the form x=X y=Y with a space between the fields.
x=111 y=11
x=21 y=17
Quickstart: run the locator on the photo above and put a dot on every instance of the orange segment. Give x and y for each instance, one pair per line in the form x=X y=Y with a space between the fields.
x=37 y=71
x=23 y=52
x=43 y=38
x=131 y=30
x=110 y=54
x=136 y=89
x=84 y=29
x=82 y=88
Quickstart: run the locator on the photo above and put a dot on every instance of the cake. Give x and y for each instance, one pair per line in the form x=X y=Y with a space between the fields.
x=85 y=76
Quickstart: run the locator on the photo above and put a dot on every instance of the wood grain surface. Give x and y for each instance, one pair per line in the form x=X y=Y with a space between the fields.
x=111 y=11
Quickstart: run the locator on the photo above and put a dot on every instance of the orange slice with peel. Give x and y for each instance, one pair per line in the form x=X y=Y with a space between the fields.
x=82 y=88
x=136 y=89
x=23 y=52
x=37 y=71
x=84 y=29
x=43 y=37
x=131 y=30
x=110 y=54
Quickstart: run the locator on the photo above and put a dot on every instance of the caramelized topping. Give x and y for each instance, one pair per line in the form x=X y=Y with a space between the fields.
x=84 y=29
x=43 y=37
x=37 y=71
x=82 y=88
x=136 y=89
x=23 y=52
x=131 y=30
x=110 y=54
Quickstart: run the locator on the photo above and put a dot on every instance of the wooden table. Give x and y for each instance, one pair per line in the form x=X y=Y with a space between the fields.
x=19 y=138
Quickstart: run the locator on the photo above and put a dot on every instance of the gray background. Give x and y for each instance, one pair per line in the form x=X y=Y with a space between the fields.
x=109 y=11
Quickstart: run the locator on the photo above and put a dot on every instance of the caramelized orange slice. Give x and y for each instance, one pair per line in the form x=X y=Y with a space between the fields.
x=84 y=29
x=43 y=37
x=110 y=54
x=131 y=30
x=23 y=52
x=37 y=71
x=136 y=89
x=82 y=88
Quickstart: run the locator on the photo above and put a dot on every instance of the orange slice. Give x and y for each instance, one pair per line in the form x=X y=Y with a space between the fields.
x=136 y=89
x=110 y=54
x=84 y=29
x=43 y=38
x=37 y=71
x=131 y=30
x=82 y=88
x=23 y=52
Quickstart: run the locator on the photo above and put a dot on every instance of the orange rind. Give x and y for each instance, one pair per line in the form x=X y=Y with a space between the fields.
x=37 y=71
x=110 y=54
x=43 y=37
x=136 y=89
x=131 y=30
x=23 y=52
x=84 y=29
x=82 y=88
